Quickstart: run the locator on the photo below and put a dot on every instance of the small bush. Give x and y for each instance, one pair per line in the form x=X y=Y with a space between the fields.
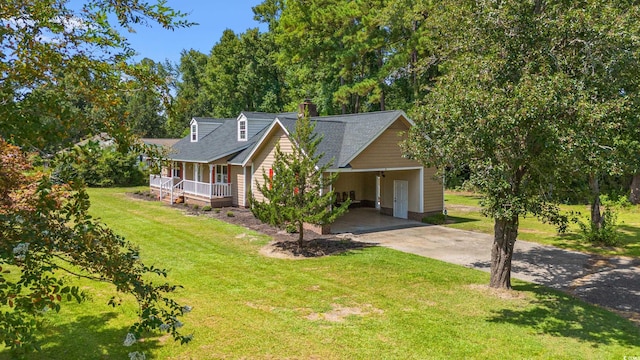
x=206 y=208
x=437 y=219
x=607 y=235
x=616 y=201
x=217 y=211
x=291 y=228
x=230 y=214
x=196 y=207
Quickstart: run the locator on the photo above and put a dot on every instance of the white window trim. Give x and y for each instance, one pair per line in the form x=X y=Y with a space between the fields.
x=222 y=171
x=194 y=134
x=240 y=137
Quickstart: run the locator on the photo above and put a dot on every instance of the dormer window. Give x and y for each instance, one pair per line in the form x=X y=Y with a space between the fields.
x=194 y=132
x=242 y=130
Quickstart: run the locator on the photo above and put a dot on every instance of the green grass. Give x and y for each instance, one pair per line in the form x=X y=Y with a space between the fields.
x=463 y=213
x=249 y=306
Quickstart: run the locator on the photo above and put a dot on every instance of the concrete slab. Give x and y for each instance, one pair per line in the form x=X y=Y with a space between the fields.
x=616 y=284
x=366 y=220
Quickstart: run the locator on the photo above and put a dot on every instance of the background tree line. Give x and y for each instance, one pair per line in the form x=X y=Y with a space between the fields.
x=359 y=56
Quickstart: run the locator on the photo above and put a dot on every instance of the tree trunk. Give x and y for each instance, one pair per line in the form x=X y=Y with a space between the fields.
x=505 y=234
x=596 y=216
x=634 y=195
x=301 y=235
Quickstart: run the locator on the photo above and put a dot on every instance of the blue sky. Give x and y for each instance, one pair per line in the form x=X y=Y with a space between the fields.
x=213 y=17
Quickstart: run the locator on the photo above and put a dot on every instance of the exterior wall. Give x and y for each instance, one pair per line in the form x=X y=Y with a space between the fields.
x=385 y=151
x=248 y=183
x=433 y=192
x=189 y=175
x=363 y=183
x=386 y=188
x=237 y=185
x=188 y=171
x=264 y=159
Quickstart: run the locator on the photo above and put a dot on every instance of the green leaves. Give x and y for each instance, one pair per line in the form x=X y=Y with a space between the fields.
x=296 y=187
x=63 y=73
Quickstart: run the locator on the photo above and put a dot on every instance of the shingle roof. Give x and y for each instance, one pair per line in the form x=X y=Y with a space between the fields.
x=218 y=138
x=218 y=143
x=345 y=136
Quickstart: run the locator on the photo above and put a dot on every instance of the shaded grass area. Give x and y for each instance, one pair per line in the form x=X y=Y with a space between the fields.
x=464 y=213
x=368 y=303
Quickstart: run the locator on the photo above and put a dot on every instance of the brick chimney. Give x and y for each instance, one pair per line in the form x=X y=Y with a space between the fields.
x=307 y=106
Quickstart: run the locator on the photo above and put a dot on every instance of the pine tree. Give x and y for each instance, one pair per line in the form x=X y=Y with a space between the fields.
x=297 y=192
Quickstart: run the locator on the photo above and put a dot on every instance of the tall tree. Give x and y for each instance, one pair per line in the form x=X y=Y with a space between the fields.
x=55 y=60
x=526 y=86
x=144 y=108
x=241 y=74
x=300 y=190
x=353 y=56
x=191 y=98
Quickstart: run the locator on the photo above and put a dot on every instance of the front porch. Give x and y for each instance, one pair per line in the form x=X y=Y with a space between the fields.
x=176 y=190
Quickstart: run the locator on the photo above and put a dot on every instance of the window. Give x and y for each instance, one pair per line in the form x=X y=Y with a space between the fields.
x=194 y=132
x=222 y=174
x=175 y=170
x=242 y=130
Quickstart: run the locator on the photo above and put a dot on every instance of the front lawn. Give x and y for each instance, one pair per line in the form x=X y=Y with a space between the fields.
x=463 y=211
x=374 y=303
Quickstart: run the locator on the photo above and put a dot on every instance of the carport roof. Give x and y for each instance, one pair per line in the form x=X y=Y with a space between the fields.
x=346 y=136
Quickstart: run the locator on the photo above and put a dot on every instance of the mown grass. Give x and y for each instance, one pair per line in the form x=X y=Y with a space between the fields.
x=464 y=213
x=249 y=306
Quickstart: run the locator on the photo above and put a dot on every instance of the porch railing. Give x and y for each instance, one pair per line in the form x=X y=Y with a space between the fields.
x=157 y=181
x=206 y=190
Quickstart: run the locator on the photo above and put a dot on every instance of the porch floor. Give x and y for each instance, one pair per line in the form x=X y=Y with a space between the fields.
x=366 y=220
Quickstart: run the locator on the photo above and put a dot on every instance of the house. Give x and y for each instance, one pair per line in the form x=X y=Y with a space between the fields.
x=222 y=159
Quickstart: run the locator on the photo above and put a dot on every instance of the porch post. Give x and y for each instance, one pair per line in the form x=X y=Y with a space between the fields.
x=195 y=171
x=184 y=171
x=210 y=181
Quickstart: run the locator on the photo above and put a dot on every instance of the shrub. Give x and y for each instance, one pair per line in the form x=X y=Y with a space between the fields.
x=607 y=235
x=616 y=201
x=196 y=207
x=206 y=208
x=437 y=219
x=230 y=214
x=217 y=211
x=98 y=166
x=291 y=228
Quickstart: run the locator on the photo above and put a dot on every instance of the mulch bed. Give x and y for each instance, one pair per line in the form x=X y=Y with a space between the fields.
x=284 y=244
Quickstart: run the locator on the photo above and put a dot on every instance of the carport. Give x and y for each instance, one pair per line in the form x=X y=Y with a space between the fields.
x=367 y=220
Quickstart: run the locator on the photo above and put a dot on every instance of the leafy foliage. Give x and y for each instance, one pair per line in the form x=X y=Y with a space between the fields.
x=606 y=234
x=297 y=193
x=48 y=238
x=96 y=166
x=530 y=96
x=63 y=72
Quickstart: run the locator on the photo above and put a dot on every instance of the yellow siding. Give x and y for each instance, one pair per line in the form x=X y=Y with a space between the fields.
x=385 y=151
x=364 y=185
x=433 y=191
x=264 y=159
x=386 y=188
x=188 y=171
x=237 y=185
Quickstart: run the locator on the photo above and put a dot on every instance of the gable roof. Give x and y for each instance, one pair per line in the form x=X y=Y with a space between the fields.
x=343 y=136
x=217 y=139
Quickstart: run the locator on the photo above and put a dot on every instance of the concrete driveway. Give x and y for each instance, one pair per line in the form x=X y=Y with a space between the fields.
x=613 y=282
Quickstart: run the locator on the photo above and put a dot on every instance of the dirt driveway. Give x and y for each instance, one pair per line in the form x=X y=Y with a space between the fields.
x=613 y=282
